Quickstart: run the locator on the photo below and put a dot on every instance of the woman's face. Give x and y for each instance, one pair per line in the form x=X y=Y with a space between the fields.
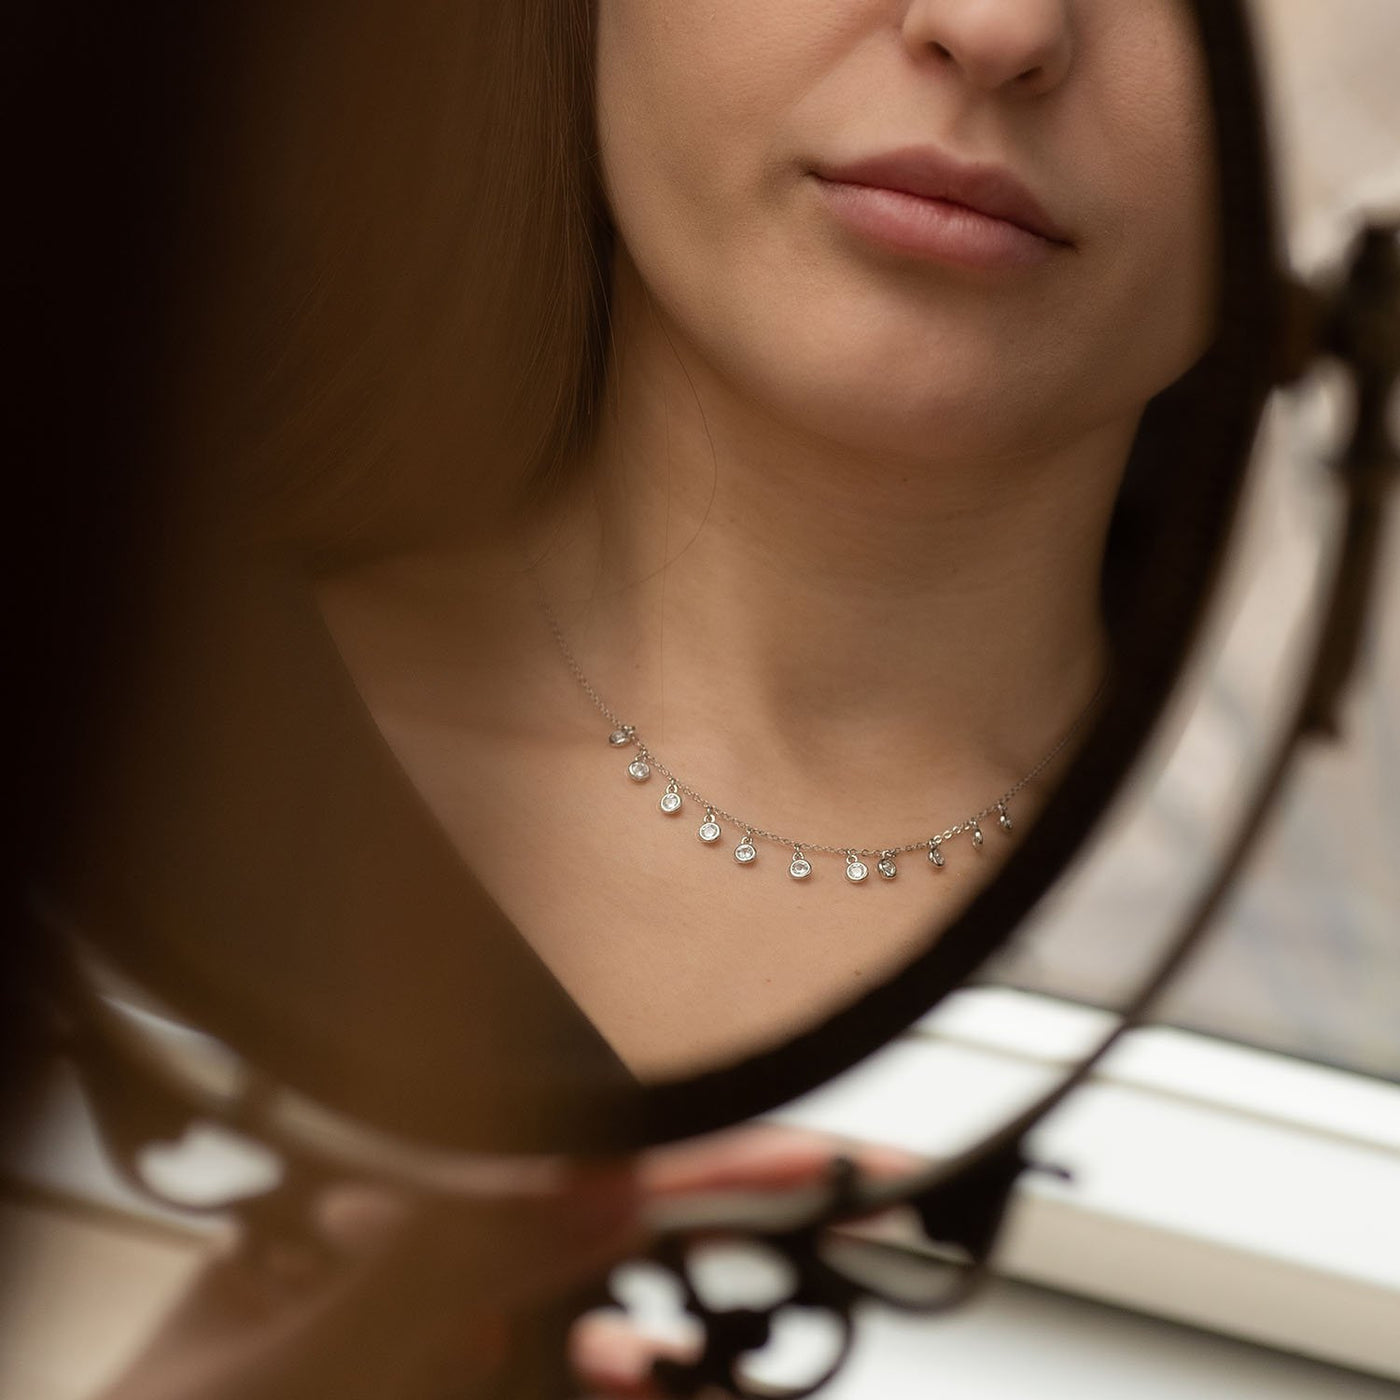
x=968 y=226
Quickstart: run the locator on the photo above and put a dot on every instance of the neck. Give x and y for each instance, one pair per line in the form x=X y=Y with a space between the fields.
x=725 y=570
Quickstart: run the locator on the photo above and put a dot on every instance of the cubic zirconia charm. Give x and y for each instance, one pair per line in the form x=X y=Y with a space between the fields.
x=1003 y=817
x=709 y=831
x=621 y=737
x=745 y=852
x=856 y=869
x=887 y=868
x=639 y=770
x=801 y=867
x=936 y=858
x=670 y=799
x=976 y=834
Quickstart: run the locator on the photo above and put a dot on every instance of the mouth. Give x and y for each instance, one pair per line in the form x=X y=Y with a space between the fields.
x=922 y=203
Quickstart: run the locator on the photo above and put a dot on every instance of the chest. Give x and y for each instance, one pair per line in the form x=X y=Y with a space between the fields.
x=681 y=955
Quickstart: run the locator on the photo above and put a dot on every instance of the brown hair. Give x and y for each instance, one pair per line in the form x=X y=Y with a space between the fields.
x=399 y=293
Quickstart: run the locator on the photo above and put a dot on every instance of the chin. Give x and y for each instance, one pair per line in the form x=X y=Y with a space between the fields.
x=922 y=419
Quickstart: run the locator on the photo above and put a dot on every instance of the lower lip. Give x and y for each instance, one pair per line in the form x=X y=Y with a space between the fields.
x=934 y=230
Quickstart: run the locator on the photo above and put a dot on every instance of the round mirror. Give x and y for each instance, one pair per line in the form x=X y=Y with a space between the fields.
x=665 y=534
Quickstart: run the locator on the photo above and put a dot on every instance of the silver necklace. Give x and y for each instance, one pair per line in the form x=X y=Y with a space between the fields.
x=645 y=762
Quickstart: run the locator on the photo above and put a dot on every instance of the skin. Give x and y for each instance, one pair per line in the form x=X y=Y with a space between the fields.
x=836 y=550
x=711 y=117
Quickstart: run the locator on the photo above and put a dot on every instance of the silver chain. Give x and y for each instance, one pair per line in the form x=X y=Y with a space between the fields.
x=754 y=832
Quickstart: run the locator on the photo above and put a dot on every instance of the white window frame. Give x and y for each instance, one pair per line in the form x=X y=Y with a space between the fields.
x=1233 y=1189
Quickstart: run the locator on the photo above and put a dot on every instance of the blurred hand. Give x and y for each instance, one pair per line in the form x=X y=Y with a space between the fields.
x=418 y=1297
x=613 y=1358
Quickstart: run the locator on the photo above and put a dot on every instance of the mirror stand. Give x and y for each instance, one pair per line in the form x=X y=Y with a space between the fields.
x=962 y=1201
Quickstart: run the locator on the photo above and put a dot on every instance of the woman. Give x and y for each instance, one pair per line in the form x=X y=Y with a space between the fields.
x=804 y=351
x=887 y=290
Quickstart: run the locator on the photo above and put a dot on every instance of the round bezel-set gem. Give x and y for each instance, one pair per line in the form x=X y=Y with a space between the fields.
x=887 y=868
x=856 y=869
x=746 y=852
x=620 y=738
x=670 y=800
x=936 y=858
x=709 y=831
x=801 y=867
x=639 y=770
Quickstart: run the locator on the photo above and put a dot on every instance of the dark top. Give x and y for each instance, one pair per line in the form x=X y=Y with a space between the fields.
x=256 y=857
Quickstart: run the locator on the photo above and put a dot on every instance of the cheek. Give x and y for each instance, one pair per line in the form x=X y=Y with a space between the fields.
x=695 y=109
x=689 y=98
x=674 y=104
x=1164 y=178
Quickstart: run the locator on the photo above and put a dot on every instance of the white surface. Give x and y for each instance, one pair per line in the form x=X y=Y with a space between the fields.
x=1044 y=1030
x=1018 y=1343
x=1221 y=1186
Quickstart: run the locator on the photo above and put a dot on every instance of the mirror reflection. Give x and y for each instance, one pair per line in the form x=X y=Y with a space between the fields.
x=711 y=470
x=811 y=609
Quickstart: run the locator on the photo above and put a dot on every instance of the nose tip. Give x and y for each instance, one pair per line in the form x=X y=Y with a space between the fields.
x=1023 y=47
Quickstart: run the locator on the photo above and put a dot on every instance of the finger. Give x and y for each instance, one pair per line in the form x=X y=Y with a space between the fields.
x=613 y=1358
x=764 y=1156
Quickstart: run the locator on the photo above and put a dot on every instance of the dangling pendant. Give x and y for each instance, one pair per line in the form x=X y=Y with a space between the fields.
x=936 y=857
x=1003 y=818
x=801 y=867
x=745 y=852
x=670 y=799
x=856 y=869
x=976 y=833
x=709 y=831
x=887 y=868
x=639 y=770
x=619 y=738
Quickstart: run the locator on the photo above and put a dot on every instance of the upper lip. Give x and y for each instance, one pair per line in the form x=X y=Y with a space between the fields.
x=931 y=174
